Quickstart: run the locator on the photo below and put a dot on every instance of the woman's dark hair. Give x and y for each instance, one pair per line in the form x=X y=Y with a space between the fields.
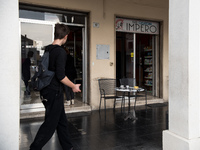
x=61 y=31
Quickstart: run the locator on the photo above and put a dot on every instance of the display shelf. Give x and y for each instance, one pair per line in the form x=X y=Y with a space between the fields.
x=147 y=56
x=147 y=63
x=147 y=50
x=148 y=69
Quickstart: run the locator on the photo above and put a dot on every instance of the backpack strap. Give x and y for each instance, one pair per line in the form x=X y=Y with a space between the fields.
x=47 y=49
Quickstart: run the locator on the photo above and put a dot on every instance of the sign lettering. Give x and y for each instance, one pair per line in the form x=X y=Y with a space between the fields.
x=136 y=26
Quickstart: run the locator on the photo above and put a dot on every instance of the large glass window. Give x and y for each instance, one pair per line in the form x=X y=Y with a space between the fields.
x=37 y=31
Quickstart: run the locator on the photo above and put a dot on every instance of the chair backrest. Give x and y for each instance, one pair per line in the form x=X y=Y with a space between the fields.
x=128 y=81
x=107 y=86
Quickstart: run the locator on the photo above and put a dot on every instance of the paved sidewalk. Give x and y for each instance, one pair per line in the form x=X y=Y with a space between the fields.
x=92 y=131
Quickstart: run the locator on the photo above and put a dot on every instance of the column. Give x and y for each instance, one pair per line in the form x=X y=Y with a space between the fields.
x=9 y=76
x=184 y=76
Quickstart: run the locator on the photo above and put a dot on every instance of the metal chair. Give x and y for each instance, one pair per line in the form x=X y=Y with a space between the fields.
x=132 y=82
x=107 y=89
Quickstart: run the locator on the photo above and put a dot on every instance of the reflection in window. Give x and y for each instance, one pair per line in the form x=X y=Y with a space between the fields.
x=54 y=17
x=31 y=15
x=34 y=37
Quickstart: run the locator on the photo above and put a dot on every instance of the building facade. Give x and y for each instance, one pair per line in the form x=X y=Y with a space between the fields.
x=103 y=36
x=106 y=50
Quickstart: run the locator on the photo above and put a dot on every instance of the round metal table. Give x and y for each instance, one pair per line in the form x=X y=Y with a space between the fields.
x=129 y=90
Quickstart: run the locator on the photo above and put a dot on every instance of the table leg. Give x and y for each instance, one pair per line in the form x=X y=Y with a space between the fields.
x=129 y=102
x=123 y=103
x=130 y=116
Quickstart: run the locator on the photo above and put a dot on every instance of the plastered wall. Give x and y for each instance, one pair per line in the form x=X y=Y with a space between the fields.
x=104 y=13
x=10 y=77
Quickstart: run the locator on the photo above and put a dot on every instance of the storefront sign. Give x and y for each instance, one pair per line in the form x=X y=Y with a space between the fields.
x=136 y=26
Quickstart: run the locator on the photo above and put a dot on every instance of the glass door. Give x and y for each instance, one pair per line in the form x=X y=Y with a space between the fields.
x=145 y=64
x=35 y=35
x=125 y=55
x=37 y=31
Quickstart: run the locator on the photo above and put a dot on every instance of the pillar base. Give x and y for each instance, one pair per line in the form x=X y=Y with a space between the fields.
x=172 y=141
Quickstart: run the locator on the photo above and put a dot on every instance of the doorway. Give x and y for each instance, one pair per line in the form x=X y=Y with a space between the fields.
x=75 y=46
x=145 y=61
x=37 y=31
x=124 y=55
x=136 y=58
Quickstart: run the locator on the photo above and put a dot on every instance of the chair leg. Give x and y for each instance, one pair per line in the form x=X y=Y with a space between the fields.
x=114 y=104
x=146 y=96
x=146 y=99
x=122 y=104
x=105 y=105
x=100 y=104
x=135 y=99
x=124 y=101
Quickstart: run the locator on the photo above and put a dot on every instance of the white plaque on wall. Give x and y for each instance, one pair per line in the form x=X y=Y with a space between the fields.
x=103 y=51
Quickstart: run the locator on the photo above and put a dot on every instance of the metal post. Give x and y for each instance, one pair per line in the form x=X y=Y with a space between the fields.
x=134 y=58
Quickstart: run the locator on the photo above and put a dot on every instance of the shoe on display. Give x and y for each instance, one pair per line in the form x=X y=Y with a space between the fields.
x=68 y=103
x=72 y=102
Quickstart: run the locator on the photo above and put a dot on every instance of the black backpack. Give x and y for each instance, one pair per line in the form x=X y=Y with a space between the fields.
x=42 y=76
